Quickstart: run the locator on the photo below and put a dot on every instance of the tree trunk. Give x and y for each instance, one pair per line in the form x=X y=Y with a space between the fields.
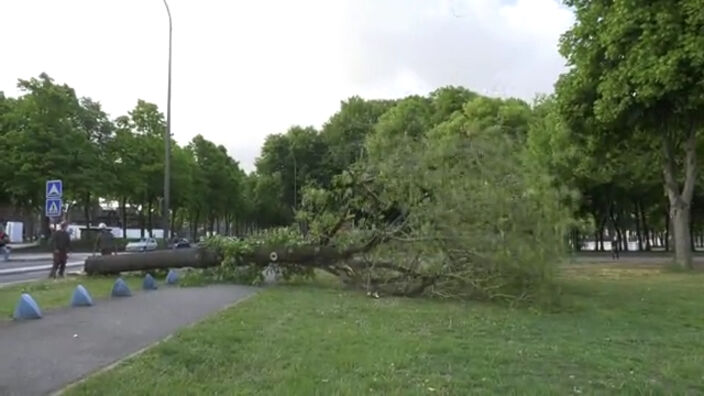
x=666 y=238
x=149 y=219
x=46 y=226
x=173 y=222
x=596 y=240
x=86 y=209
x=141 y=221
x=614 y=223
x=691 y=232
x=195 y=226
x=639 y=235
x=601 y=237
x=646 y=230
x=123 y=208
x=680 y=231
x=680 y=201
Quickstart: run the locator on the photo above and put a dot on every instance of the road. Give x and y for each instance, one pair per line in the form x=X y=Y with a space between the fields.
x=29 y=266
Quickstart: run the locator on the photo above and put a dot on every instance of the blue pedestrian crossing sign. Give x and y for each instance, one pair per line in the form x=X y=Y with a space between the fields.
x=54 y=189
x=53 y=207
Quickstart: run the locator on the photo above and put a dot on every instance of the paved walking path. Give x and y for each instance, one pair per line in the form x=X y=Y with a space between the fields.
x=41 y=356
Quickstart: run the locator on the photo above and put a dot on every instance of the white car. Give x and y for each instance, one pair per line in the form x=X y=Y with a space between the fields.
x=143 y=245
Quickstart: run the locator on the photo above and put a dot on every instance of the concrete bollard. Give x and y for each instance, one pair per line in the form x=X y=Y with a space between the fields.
x=172 y=277
x=120 y=289
x=27 y=308
x=149 y=283
x=81 y=297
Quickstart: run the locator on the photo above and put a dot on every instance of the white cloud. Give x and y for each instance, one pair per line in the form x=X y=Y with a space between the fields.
x=245 y=69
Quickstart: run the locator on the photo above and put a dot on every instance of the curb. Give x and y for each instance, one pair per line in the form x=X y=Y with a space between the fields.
x=35 y=268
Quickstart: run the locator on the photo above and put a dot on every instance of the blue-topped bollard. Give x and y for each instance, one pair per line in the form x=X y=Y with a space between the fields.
x=172 y=277
x=27 y=308
x=120 y=289
x=81 y=297
x=149 y=283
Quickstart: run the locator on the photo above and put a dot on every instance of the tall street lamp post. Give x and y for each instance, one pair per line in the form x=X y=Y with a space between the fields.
x=167 y=145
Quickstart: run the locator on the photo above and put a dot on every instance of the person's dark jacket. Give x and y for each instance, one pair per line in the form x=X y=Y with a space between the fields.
x=105 y=241
x=60 y=240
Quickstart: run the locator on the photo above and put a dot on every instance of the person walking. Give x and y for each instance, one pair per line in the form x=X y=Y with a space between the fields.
x=105 y=242
x=60 y=243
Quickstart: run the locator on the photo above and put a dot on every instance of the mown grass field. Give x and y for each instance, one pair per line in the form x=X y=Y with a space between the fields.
x=619 y=330
x=57 y=293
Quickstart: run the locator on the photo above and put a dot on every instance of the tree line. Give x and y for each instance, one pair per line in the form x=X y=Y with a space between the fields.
x=50 y=132
x=618 y=138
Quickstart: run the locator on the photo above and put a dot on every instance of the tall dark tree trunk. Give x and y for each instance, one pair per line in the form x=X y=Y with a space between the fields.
x=173 y=222
x=614 y=223
x=195 y=225
x=667 y=232
x=601 y=237
x=681 y=200
x=46 y=226
x=86 y=209
x=227 y=224
x=575 y=238
x=639 y=235
x=141 y=221
x=596 y=240
x=123 y=210
x=691 y=232
x=149 y=219
x=646 y=230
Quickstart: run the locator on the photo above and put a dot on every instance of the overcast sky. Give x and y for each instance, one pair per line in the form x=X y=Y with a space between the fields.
x=245 y=69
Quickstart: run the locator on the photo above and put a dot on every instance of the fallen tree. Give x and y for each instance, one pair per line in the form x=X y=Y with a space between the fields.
x=346 y=264
x=470 y=220
x=205 y=257
x=160 y=259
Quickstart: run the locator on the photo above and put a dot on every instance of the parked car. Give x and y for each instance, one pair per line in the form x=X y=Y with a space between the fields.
x=180 y=243
x=143 y=245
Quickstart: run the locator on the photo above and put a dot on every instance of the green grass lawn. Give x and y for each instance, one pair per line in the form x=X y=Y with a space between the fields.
x=57 y=293
x=620 y=331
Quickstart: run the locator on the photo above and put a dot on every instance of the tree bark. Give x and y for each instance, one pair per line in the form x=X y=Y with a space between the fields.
x=123 y=208
x=160 y=259
x=149 y=219
x=173 y=222
x=691 y=232
x=680 y=201
x=141 y=221
x=310 y=256
x=86 y=209
x=596 y=240
x=602 y=225
x=646 y=230
x=195 y=226
x=639 y=235
x=614 y=223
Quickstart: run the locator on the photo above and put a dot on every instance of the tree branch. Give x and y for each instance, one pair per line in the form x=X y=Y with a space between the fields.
x=690 y=165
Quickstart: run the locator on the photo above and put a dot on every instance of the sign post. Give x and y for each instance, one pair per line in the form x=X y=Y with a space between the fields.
x=54 y=203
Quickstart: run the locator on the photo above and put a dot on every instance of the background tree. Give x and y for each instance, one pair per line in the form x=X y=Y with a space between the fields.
x=635 y=71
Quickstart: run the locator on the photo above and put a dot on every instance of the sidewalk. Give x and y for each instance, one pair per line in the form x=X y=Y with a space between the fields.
x=22 y=257
x=43 y=356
